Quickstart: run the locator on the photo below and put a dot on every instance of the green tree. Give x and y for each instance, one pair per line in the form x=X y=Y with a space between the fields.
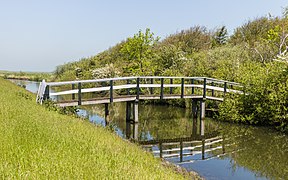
x=220 y=37
x=138 y=53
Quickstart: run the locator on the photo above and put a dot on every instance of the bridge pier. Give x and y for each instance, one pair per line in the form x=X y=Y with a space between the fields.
x=135 y=131
x=136 y=112
x=107 y=119
x=194 y=109
x=128 y=130
x=128 y=111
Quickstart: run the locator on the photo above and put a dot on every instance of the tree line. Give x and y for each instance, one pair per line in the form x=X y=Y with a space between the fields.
x=255 y=54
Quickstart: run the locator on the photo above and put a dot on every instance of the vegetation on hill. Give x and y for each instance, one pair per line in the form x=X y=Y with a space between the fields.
x=254 y=55
x=36 y=143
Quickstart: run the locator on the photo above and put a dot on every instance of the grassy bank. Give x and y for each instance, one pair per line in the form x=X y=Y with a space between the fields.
x=36 y=143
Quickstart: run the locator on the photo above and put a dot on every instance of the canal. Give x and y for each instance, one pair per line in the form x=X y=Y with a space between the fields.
x=227 y=151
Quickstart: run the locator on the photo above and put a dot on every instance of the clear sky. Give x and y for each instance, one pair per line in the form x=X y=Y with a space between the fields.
x=38 y=35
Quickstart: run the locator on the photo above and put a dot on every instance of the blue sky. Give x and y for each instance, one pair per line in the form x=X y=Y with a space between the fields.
x=38 y=35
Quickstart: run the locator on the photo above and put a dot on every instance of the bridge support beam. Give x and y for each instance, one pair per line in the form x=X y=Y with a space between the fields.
x=135 y=131
x=194 y=109
x=128 y=129
x=136 y=112
x=107 y=120
x=128 y=111
x=202 y=109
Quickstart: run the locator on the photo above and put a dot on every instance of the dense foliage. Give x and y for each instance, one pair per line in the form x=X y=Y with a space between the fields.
x=254 y=55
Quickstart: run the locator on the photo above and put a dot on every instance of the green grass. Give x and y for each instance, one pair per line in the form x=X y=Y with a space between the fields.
x=39 y=144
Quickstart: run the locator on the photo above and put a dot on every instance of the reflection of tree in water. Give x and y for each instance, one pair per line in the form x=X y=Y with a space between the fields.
x=262 y=150
x=156 y=121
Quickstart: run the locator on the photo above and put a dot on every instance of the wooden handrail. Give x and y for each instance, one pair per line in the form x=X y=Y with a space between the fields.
x=129 y=83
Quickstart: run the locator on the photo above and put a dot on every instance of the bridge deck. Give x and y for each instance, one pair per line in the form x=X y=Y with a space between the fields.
x=125 y=98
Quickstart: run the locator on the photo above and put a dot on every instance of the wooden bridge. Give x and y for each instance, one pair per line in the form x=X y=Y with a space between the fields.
x=135 y=89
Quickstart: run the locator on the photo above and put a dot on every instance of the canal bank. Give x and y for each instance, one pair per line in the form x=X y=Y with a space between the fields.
x=236 y=152
x=37 y=143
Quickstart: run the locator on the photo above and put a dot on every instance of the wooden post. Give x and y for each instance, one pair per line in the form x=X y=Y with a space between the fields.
x=46 y=93
x=73 y=95
x=225 y=88
x=128 y=111
x=204 y=88
x=223 y=144
x=193 y=89
x=111 y=91
x=194 y=108
x=79 y=94
x=162 y=89
x=138 y=89
x=161 y=150
x=128 y=129
x=106 y=114
x=182 y=87
x=202 y=109
x=203 y=149
x=128 y=90
x=136 y=112
x=181 y=151
x=151 y=88
x=194 y=126
x=212 y=84
x=171 y=88
x=135 y=131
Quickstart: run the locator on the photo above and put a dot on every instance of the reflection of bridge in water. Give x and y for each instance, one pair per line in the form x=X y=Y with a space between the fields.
x=197 y=147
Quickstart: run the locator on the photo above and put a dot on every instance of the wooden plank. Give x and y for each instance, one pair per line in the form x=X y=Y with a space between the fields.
x=214 y=98
x=122 y=99
x=212 y=139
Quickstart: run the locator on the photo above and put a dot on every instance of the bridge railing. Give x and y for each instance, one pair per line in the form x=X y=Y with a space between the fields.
x=147 y=87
